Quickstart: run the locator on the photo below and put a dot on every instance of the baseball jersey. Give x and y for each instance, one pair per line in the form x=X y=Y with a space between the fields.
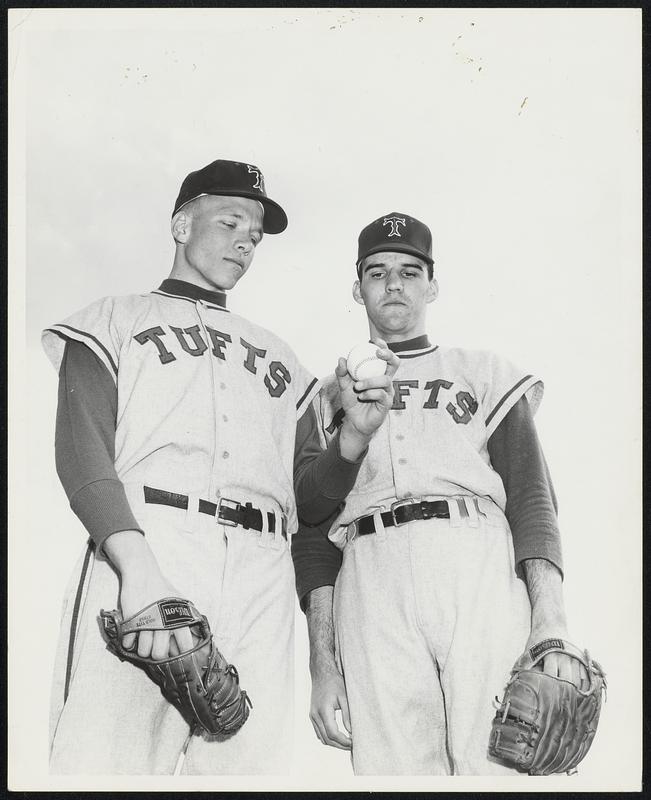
x=447 y=403
x=207 y=401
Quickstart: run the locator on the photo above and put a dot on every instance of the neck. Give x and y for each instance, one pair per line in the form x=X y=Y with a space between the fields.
x=391 y=337
x=182 y=271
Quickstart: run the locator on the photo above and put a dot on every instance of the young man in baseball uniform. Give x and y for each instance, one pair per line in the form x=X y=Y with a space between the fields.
x=181 y=428
x=445 y=557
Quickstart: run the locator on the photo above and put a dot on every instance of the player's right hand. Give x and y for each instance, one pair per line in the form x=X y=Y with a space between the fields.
x=328 y=697
x=142 y=583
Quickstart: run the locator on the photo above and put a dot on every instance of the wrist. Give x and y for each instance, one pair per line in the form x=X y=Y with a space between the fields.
x=322 y=665
x=129 y=551
x=352 y=443
x=548 y=625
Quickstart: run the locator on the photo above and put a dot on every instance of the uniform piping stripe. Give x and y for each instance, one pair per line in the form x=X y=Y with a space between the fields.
x=417 y=355
x=506 y=397
x=75 y=617
x=97 y=342
x=188 y=300
x=175 y=296
x=305 y=393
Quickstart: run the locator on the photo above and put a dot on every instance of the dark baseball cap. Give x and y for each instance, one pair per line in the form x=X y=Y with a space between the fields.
x=232 y=178
x=395 y=232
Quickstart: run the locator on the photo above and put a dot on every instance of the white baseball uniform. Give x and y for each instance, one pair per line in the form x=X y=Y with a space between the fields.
x=207 y=407
x=430 y=616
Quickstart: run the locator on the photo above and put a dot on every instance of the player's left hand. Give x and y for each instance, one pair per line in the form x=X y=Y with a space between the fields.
x=366 y=403
x=559 y=665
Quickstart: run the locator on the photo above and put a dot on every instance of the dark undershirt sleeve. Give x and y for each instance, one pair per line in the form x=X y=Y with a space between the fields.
x=85 y=444
x=316 y=559
x=322 y=478
x=531 y=508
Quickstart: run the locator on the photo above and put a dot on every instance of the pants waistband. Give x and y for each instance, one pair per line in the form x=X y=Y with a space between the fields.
x=227 y=512
x=407 y=510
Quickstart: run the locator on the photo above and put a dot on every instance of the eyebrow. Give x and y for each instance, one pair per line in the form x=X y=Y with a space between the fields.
x=410 y=264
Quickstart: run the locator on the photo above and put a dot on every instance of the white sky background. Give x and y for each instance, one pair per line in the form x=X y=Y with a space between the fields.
x=514 y=134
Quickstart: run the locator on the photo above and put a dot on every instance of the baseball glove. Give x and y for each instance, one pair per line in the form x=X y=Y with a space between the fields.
x=199 y=682
x=545 y=724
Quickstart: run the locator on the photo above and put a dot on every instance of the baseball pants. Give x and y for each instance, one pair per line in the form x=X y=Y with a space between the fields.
x=429 y=619
x=108 y=717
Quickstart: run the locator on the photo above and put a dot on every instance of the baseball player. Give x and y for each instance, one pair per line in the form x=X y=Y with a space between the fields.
x=181 y=428
x=445 y=557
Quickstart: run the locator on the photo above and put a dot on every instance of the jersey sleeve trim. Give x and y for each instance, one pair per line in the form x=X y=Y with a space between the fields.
x=307 y=397
x=530 y=386
x=68 y=332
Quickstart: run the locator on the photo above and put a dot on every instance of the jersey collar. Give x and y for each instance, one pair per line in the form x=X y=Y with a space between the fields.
x=178 y=288
x=417 y=343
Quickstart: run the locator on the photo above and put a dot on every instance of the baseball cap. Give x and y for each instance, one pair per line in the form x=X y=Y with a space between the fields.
x=397 y=232
x=232 y=178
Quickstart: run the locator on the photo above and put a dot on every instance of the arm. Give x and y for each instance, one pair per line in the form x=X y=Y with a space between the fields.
x=548 y=621
x=316 y=563
x=328 y=690
x=531 y=508
x=85 y=451
x=323 y=479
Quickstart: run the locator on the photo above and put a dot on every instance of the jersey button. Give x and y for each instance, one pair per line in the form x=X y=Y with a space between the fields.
x=225 y=454
x=224 y=417
x=222 y=385
x=402 y=461
x=400 y=437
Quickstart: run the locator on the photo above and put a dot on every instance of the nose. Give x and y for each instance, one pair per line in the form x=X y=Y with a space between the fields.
x=394 y=282
x=243 y=245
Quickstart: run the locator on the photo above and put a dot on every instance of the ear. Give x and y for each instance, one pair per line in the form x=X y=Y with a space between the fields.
x=432 y=290
x=357 y=293
x=181 y=224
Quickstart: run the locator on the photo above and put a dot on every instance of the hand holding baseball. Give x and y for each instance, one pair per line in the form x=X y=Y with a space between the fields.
x=367 y=394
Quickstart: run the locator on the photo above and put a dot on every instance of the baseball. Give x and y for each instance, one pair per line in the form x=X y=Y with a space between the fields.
x=363 y=362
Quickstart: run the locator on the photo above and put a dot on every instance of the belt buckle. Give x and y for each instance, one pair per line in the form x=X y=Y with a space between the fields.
x=408 y=501
x=234 y=505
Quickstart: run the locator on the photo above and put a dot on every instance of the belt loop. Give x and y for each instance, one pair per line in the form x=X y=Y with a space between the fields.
x=455 y=514
x=190 y=522
x=265 y=539
x=380 y=530
x=479 y=508
x=351 y=532
x=473 y=519
x=275 y=538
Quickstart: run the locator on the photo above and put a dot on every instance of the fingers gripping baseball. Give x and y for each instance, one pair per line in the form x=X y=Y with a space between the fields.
x=367 y=400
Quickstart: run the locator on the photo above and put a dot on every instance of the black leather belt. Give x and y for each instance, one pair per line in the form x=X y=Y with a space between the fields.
x=405 y=511
x=228 y=512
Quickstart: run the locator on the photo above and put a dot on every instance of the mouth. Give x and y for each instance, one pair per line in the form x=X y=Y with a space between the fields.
x=394 y=303
x=237 y=263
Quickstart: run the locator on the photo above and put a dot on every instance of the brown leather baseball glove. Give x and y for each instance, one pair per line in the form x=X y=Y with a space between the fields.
x=199 y=682
x=545 y=724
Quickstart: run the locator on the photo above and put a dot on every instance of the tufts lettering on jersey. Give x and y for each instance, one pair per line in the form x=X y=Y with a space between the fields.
x=200 y=346
x=191 y=342
x=278 y=378
x=461 y=411
x=337 y=421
